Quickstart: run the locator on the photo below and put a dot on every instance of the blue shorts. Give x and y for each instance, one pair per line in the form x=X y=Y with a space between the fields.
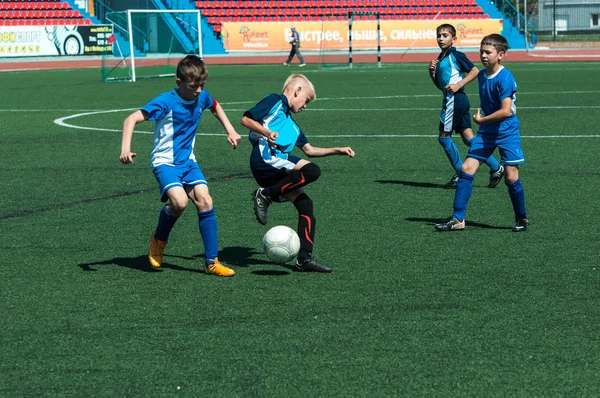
x=455 y=114
x=510 y=150
x=169 y=176
x=269 y=170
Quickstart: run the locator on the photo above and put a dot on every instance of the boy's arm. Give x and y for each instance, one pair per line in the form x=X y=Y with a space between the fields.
x=128 y=126
x=316 y=152
x=503 y=113
x=432 y=66
x=255 y=126
x=472 y=75
x=232 y=136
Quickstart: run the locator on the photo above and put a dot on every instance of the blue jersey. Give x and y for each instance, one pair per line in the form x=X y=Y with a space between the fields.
x=176 y=121
x=451 y=68
x=273 y=112
x=492 y=90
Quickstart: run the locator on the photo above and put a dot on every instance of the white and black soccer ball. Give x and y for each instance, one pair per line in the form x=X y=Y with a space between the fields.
x=281 y=244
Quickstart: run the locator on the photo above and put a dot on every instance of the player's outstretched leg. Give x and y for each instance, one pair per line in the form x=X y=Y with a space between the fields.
x=261 y=205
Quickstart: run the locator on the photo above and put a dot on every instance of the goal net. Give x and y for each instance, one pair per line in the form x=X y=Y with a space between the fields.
x=354 y=42
x=555 y=30
x=149 y=43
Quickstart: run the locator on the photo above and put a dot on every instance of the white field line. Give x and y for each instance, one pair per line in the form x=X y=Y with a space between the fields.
x=82 y=113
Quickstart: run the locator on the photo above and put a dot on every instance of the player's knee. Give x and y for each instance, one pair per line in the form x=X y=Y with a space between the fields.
x=311 y=172
x=177 y=206
x=444 y=139
x=203 y=202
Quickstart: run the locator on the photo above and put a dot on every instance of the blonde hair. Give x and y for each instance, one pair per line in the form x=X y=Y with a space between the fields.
x=296 y=80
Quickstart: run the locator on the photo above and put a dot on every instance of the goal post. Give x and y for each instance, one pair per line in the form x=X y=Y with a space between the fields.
x=351 y=16
x=351 y=41
x=149 y=43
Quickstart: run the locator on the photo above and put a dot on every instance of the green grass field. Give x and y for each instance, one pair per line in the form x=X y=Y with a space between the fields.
x=406 y=312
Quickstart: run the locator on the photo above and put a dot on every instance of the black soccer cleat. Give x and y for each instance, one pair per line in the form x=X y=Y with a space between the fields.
x=496 y=176
x=521 y=225
x=452 y=183
x=261 y=205
x=311 y=265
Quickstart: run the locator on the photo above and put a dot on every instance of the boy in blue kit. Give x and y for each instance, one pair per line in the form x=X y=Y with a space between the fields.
x=176 y=115
x=450 y=72
x=273 y=134
x=498 y=128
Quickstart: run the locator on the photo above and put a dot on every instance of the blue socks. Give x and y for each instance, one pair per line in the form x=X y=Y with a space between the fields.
x=207 y=223
x=451 y=152
x=165 y=224
x=491 y=162
x=517 y=197
x=464 y=189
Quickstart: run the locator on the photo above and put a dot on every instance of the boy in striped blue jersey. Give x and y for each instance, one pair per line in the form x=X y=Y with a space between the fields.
x=450 y=72
x=498 y=128
x=274 y=134
x=177 y=115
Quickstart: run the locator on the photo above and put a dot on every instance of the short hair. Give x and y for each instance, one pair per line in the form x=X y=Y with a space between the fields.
x=448 y=27
x=192 y=69
x=299 y=80
x=495 y=40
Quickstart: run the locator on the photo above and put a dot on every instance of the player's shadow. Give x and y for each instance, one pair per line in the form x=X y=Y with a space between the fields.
x=236 y=256
x=140 y=263
x=245 y=256
x=433 y=221
x=411 y=183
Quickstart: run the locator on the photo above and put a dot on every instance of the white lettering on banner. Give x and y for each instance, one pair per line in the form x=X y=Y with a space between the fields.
x=411 y=34
x=255 y=45
x=367 y=35
x=28 y=37
x=320 y=36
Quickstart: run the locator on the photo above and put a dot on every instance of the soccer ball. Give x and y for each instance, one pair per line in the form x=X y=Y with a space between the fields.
x=281 y=244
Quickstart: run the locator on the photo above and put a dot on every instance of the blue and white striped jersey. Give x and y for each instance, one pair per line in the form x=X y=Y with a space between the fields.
x=273 y=113
x=176 y=121
x=492 y=90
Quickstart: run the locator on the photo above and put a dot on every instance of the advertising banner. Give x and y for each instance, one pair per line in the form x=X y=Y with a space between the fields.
x=27 y=41
x=333 y=35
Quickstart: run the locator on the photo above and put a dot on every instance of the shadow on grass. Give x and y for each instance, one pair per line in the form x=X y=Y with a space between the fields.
x=245 y=256
x=139 y=263
x=235 y=256
x=433 y=221
x=411 y=183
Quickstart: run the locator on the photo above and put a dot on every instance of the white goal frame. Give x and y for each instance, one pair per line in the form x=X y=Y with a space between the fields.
x=130 y=32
